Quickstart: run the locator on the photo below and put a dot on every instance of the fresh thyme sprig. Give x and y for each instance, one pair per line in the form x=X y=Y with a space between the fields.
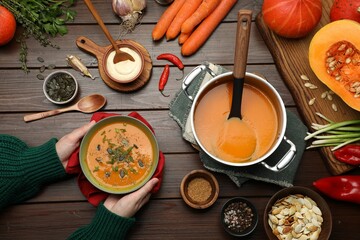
x=41 y=19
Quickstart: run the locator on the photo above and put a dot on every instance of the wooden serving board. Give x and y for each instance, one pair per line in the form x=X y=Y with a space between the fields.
x=100 y=51
x=291 y=59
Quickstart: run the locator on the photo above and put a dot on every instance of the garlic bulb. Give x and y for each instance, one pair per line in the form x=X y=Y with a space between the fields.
x=129 y=11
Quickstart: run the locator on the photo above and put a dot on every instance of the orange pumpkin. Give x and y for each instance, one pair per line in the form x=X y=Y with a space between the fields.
x=292 y=18
x=345 y=9
x=334 y=56
x=7 y=26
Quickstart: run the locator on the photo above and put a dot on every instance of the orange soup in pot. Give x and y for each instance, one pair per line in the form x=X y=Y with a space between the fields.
x=212 y=111
x=119 y=155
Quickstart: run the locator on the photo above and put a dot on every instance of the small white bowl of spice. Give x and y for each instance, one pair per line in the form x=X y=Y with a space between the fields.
x=199 y=189
x=60 y=87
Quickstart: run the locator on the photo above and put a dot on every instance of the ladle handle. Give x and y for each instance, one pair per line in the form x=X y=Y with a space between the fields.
x=41 y=115
x=101 y=23
x=242 y=42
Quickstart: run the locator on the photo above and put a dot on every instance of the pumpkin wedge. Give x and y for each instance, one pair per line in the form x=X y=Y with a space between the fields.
x=334 y=56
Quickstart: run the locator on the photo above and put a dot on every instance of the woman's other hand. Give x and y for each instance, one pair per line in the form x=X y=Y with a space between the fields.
x=128 y=205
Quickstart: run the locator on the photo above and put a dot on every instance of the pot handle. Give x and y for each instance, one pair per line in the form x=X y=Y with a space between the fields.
x=191 y=76
x=285 y=160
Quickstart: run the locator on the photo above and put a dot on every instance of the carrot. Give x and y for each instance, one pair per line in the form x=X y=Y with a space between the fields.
x=204 y=10
x=184 y=13
x=166 y=19
x=206 y=28
x=183 y=37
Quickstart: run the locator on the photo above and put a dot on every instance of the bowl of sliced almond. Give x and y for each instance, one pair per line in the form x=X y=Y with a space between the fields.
x=297 y=213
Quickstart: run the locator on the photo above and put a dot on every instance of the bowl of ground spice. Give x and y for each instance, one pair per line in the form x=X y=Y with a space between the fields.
x=239 y=217
x=60 y=87
x=199 y=189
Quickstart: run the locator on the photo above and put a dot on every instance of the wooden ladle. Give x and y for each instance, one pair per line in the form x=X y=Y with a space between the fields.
x=119 y=55
x=237 y=138
x=87 y=104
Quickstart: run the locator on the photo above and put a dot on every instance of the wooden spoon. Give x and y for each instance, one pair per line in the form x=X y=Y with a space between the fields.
x=87 y=104
x=237 y=138
x=119 y=55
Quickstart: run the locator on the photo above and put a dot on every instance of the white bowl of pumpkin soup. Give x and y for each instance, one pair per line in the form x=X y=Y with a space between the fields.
x=262 y=110
x=119 y=154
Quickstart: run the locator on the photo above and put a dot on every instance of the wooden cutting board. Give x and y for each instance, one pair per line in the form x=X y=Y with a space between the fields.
x=291 y=59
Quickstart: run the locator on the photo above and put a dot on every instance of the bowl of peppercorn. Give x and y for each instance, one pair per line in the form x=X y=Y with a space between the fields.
x=239 y=217
x=60 y=87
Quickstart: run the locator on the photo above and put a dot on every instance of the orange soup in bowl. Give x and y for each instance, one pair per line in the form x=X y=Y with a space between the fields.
x=119 y=156
x=259 y=114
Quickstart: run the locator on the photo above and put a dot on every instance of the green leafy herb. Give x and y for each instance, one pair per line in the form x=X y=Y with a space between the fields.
x=41 y=19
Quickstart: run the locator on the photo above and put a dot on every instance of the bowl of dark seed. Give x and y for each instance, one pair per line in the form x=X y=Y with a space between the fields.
x=60 y=87
x=239 y=217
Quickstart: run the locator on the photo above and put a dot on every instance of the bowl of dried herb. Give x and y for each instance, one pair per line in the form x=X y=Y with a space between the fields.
x=60 y=87
x=239 y=217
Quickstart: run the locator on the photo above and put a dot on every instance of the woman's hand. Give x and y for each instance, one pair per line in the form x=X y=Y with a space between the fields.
x=128 y=205
x=68 y=143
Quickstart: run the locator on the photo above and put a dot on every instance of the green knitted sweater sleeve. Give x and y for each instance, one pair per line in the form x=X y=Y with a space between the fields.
x=23 y=169
x=104 y=226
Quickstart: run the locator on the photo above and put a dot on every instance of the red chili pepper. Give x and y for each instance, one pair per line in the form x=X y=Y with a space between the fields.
x=173 y=59
x=349 y=154
x=344 y=188
x=163 y=79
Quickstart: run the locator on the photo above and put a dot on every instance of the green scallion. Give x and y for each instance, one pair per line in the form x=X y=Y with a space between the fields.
x=337 y=134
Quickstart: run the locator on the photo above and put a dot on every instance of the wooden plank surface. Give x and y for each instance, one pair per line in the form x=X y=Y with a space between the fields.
x=291 y=59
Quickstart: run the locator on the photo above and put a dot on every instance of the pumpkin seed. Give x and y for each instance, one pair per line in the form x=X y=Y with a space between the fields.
x=42 y=68
x=304 y=77
x=324 y=94
x=312 y=101
x=329 y=97
x=40 y=76
x=40 y=59
x=334 y=107
x=51 y=66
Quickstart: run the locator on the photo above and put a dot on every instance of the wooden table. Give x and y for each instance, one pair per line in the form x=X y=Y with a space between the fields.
x=60 y=208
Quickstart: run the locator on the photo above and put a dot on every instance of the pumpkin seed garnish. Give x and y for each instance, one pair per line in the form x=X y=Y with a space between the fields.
x=40 y=59
x=42 y=68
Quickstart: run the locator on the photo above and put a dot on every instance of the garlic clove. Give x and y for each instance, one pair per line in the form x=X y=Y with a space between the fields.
x=138 y=5
x=122 y=7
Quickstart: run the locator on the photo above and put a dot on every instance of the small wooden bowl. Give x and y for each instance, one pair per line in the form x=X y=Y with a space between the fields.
x=136 y=50
x=199 y=198
x=326 y=225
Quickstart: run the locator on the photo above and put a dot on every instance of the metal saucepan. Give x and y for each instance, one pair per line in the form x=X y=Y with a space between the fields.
x=266 y=88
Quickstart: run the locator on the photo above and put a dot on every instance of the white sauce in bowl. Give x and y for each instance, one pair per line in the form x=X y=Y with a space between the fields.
x=124 y=71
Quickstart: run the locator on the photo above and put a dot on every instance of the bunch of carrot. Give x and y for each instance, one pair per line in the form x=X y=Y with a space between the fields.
x=192 y=20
